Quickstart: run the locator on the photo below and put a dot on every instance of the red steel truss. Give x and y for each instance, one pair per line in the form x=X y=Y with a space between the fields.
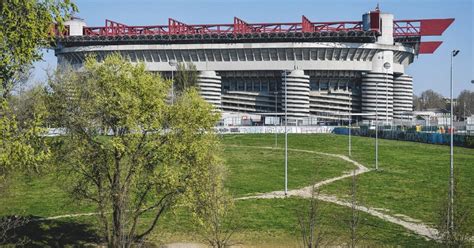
x=424 y=27
x=241 y=27
x=402 y=28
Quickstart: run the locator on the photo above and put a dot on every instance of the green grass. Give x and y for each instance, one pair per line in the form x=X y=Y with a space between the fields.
x=41 y=196
x=254 y=170
x=273 y=222
x=413 y=179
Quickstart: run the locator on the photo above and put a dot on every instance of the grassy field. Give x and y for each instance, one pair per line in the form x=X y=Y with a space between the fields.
x=261 y=170
x=413 y=178
x=273 y=223
x=412 y=182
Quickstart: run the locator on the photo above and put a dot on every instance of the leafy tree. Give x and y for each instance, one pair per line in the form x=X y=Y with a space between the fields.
x=213 y=208
x=28 y=103
x=25 y=27
x=126 y=150
x=186 y=77
x=23 y=149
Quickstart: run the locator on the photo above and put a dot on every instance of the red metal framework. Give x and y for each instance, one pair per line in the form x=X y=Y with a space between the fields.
x=425 y=27
x=429 y=47
x=402 y=28
x=112 y=28
x=306 y=25
x=177 y=27
x=239 y=26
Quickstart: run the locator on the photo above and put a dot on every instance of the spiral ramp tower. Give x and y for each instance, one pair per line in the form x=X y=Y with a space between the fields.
x=209 y=84
x=402 y=96
x=296 y=83
x=377 y=95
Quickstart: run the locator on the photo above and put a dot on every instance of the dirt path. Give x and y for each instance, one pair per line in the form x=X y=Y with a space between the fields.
x=305 y=192
x=416 y=227
x=360 y=168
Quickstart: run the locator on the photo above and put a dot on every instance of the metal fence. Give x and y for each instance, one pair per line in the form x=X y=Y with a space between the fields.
x=410 y=134
x=274 y=129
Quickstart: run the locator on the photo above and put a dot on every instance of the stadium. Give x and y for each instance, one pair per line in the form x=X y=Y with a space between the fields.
x=315 y=71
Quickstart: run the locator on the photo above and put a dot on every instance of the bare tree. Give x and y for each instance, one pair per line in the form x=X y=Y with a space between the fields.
x=461 y=234
x=464 y=105
x=354 y=222
x=310 y=221
x=429 y=99
x=8 y=224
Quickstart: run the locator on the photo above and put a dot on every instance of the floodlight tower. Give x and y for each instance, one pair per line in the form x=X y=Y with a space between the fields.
x=451 y=168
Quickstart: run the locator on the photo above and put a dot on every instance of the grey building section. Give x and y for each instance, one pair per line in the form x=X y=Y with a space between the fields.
x=402 y=96
x=295 y=94
x=377 y=95
x=326 y=80
x=209 y=84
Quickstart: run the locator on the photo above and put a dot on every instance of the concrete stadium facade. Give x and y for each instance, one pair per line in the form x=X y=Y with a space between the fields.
x=325 y=74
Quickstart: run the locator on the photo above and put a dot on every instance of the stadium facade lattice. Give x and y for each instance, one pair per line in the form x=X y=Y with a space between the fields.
x=328 y=69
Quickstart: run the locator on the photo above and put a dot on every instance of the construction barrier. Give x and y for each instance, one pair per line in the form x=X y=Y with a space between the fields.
x=410 y=135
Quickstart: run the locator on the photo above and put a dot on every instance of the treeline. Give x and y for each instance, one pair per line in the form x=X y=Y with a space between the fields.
x=429 y=99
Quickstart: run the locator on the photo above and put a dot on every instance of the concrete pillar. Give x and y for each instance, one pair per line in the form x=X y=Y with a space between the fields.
x=382 y=22
x=402 y=96
x=209 y=84
x=378 y=82
x=377 y=95
x=298 y=88
x=386 y=28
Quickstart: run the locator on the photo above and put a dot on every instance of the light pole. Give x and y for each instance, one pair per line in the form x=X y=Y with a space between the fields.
x=451 y=168
x=173 y=63
x=276 y=116
x=286 y=134
x=350 y=127
x=286 y=131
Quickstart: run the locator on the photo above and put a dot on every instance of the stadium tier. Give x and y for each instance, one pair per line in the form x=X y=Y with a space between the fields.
x=328 y=70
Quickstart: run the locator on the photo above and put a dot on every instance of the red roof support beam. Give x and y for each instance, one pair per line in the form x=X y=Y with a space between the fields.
x=306 y=25
x=177 y=27
x=113 y=28
x=424 y=27
x=435 y=26
x=429 y=47
x=401 y=28
x=241 y=27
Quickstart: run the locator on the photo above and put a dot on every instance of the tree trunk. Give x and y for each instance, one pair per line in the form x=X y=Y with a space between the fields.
x=117 y=207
